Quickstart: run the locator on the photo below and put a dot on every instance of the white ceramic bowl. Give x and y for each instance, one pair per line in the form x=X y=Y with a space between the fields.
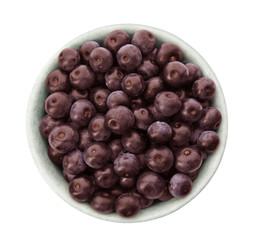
x=53 y=175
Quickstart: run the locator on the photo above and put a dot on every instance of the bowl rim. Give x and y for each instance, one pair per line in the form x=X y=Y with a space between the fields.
x=165 y=207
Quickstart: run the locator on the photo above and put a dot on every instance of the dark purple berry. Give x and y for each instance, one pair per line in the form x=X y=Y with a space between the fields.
x=57 y=105
x=127 y=205
x=191 y=110
x=188 y=159
x=159 y=132
x=114 y=78
x=57 y=81
x=73 y=162
x=84 y=139
x=181 y=134
x=168 y=52
x=145 y=41
x=98 y=129
x=133 y=85
x=126 y=165
x=55 y=156
x=116 y=39
x=63 y=138
x=129 y=57
x=67 y=176
x=134 y=142
x=97 y=155
x=85 y=50
x=159 y=159
x=99 y=98
x=77 y=94
x=106 y=177
x=117 y=98
x=82 y=111
x=148 y=69
x=180 y=185
x=47 y=124
x=153 y=86
x=194 y=72
x=101 y=60
x=208 y=141
x=211 y=119
x=143 y=118
x=144 y=202
x=82 y=77
x=81 y=188
x=119 y=119
x=167 y=103
x=151 y=185
x=127 y=182
x=116 y=148
x=68 y=59
x=204 y=89
x=103 y=202
x=175 y=74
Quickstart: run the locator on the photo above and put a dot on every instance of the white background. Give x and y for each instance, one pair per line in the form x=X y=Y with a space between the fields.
x=222 y=31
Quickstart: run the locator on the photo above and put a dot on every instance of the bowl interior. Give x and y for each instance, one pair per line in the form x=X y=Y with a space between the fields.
x=53 y=175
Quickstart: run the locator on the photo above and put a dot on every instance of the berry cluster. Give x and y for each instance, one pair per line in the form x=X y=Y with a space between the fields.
x=129 y=121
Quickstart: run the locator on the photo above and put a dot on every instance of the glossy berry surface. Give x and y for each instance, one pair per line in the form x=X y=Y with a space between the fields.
x=175 y=74
x=116 y=148
x=211 y=119
x=99 y=98
x=159 y=132
x=78 y=94
x=68 y=59
x=82 y=111
x=55 y=156
x=204 y=89
x=167 y=103
x=191 y=110
x=159 y=159
x=145 y=41
x=129 y=57
x=114 y=78
x=127 y=182
x=63 y=138
x=47 y=124
x=151 y=185
x=194 y=72
x=84 y=139
x=127 y=205
x=208 y=141
x=106 y=177
x=73 y=162
x=57 y=105
x=188 y=159
x=97 y=155
x=148 y=69
x=126 y=165
x=116 y=39
x=168 y=52
x=98 y=129
x=103 y=202
x=119 y=119
x=144 y=202
x=181 y=134
x=101 y=60
x=118 y=98
x=180 y=185
x=153 y=86
x=58 y=81
x=82 y=77
x=143 y=118
x=134 y=142
x=85 y=50
x=133 y=85
x=81 y=188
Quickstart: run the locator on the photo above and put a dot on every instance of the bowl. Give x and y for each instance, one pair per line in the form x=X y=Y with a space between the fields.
x=52 y=174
